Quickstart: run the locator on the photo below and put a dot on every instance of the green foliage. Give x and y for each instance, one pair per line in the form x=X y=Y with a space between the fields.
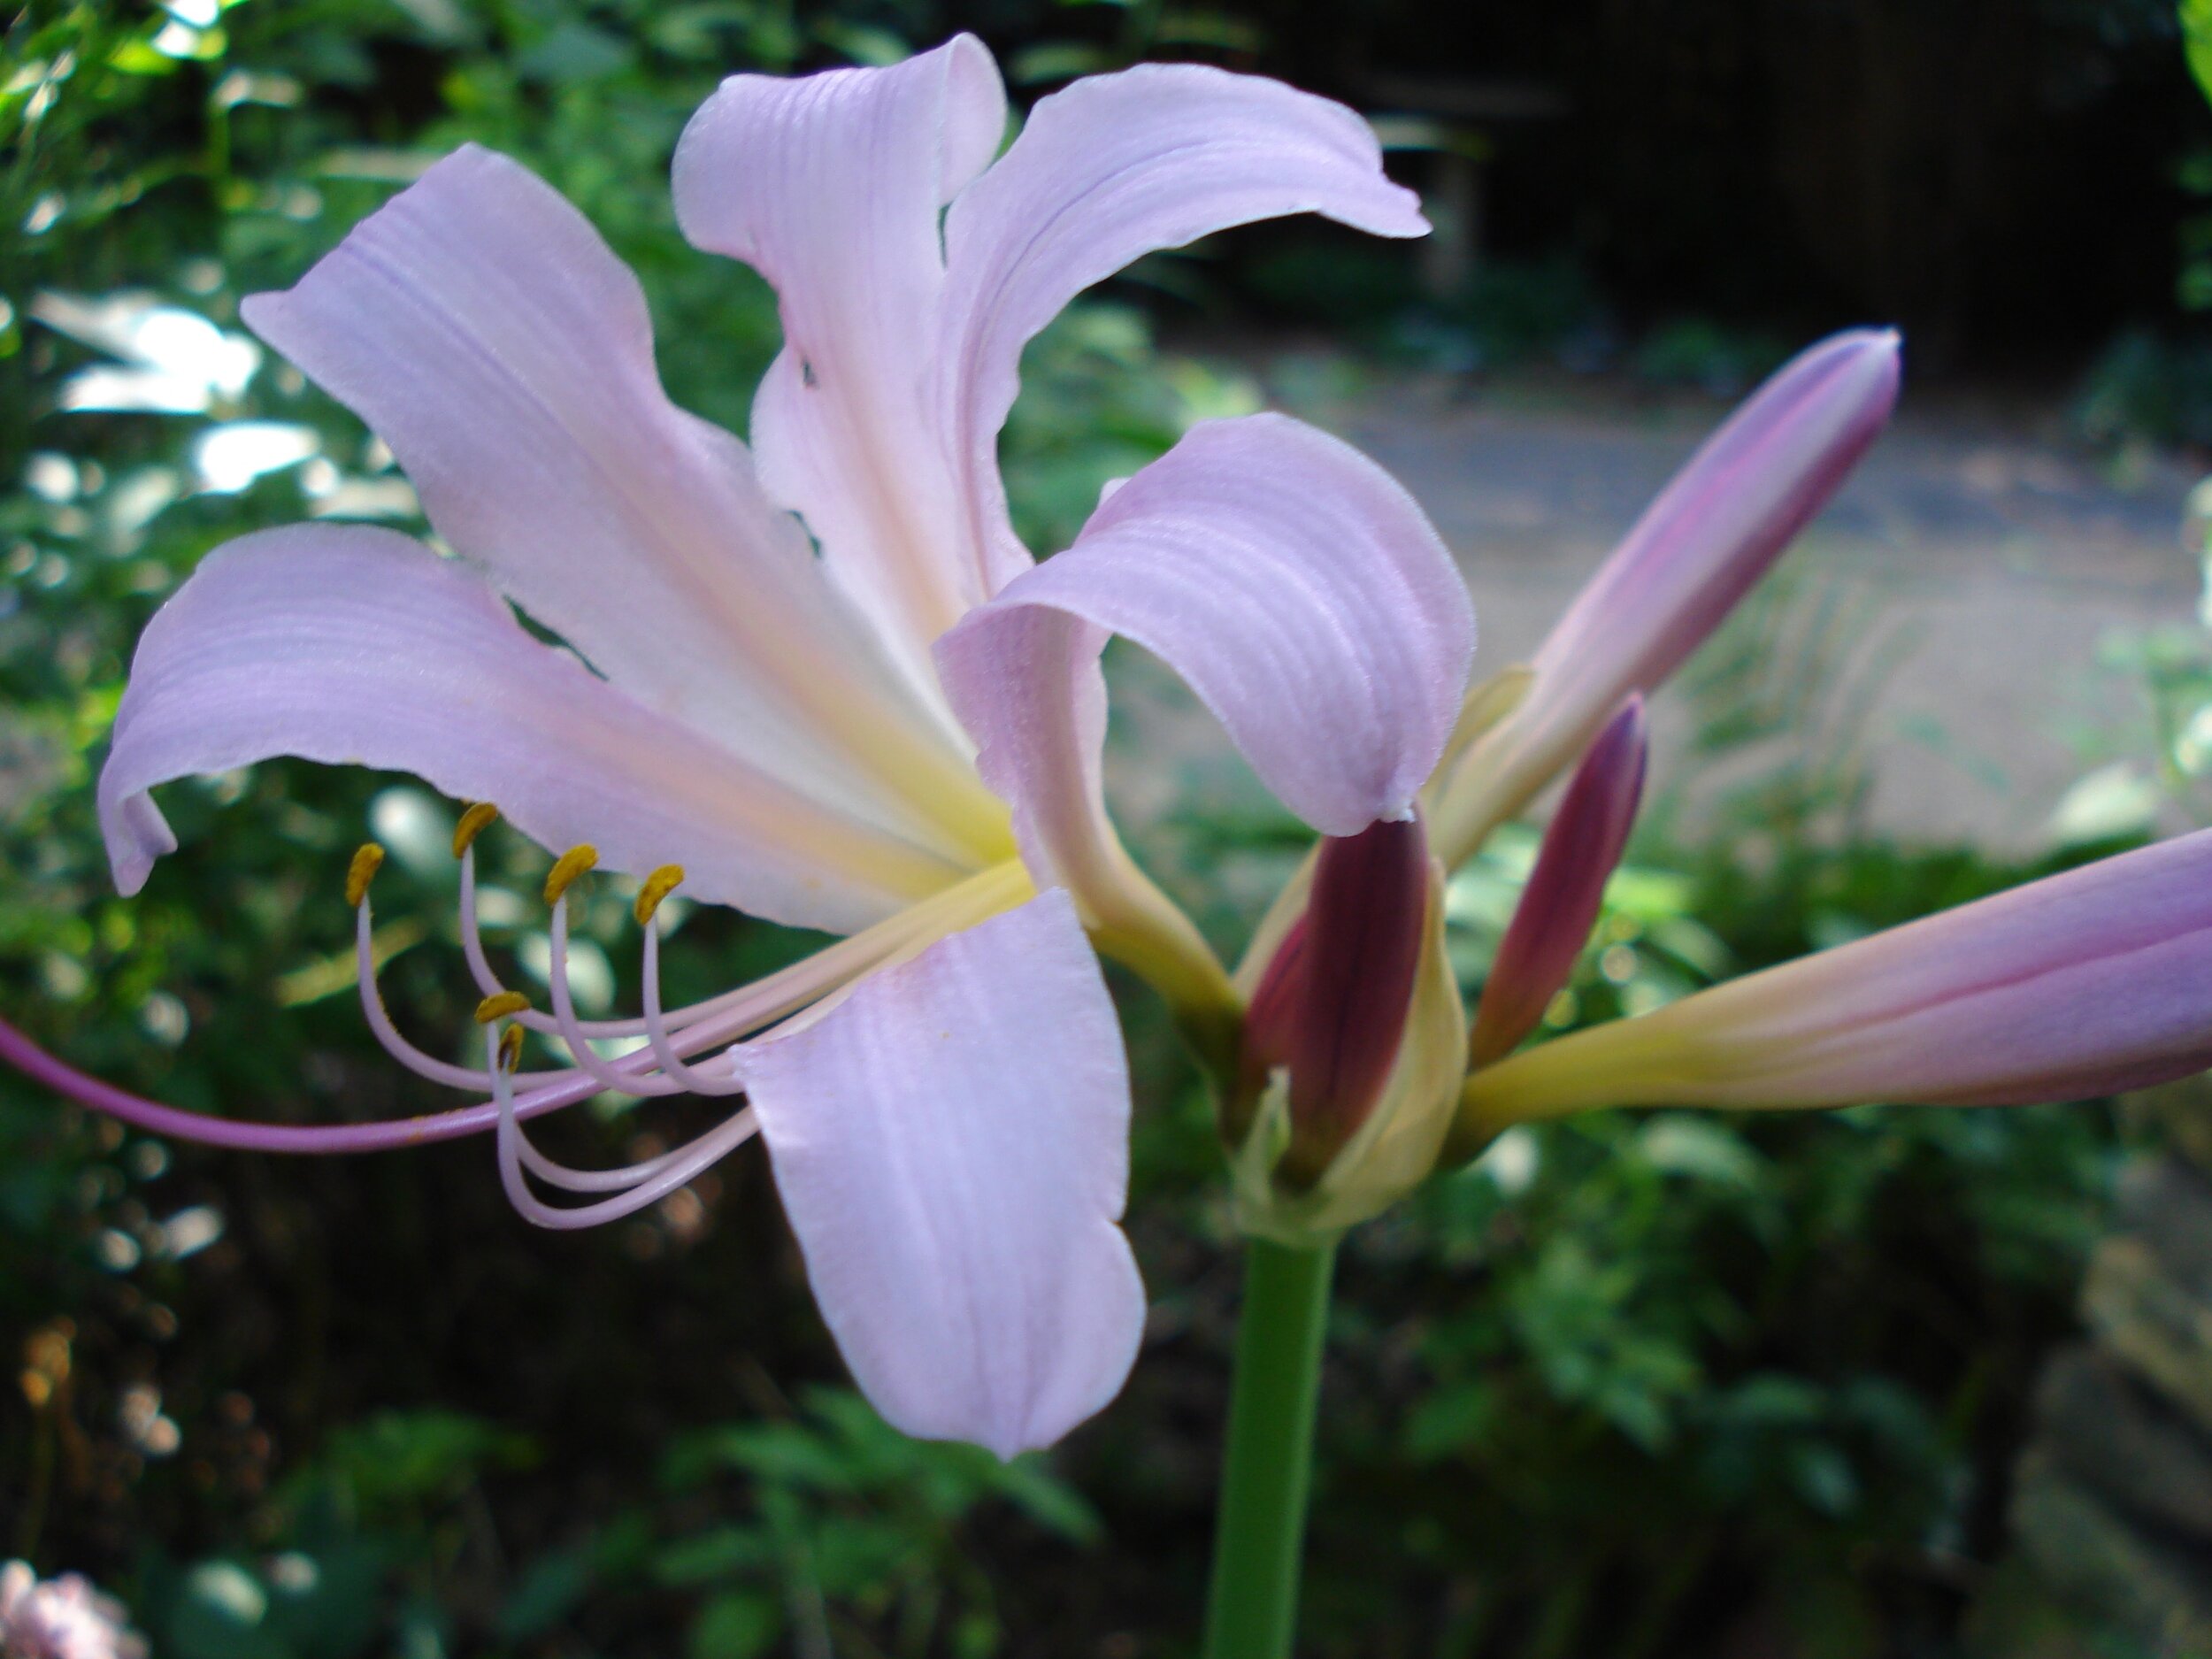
x=851 y=1525
x=2163 y=772
x=2145 y=386
x=396 y=1466
x=1631 y=1346
x=350 y=1550
x=832 y=1526
x=2196 y=40
x=298 y=1606
x=1699 y=351
x=1626 y=1384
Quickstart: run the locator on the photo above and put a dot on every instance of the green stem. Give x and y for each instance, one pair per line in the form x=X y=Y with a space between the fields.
x=1253 y=1610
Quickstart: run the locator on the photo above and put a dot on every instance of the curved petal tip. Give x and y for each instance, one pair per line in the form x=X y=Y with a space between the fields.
x=951 y=1145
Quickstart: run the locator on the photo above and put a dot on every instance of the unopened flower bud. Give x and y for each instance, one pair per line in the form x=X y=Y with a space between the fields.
x=1581 y=847
x=1331 y=1010
x=1697 y=550
x=1352 y=1046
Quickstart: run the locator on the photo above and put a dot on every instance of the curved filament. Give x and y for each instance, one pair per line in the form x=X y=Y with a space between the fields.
x=651 y=1181
x=672 y=1064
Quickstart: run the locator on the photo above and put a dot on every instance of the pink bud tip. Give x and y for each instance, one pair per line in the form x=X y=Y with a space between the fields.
x=1711 y=534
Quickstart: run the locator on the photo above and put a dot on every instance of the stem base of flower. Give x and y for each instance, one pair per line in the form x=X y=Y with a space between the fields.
x=1252 y=1609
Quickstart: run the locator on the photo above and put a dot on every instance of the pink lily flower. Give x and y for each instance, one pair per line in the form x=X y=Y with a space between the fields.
x=897 y=740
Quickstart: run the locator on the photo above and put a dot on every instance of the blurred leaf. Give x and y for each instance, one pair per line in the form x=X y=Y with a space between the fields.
x=718 y=1553
x=1049 y=1500
x=2111 y=803
x=1682 y=1144
x=221 y=1615
x=550 y=1589
x=576 y=51
x=400 y=1457
x=738 y=1626
x=2196 y=40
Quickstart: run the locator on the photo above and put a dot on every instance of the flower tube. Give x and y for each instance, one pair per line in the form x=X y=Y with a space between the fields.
x=2081 y=984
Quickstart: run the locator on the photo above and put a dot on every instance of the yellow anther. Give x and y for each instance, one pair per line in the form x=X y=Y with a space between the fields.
x=499 y=1005
x=474 y=823
x=657 y=887
x=362 y=871
x=566 y=868
x=511 y=1048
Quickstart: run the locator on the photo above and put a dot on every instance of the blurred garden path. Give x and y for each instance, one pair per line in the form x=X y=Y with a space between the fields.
x=1946 y=613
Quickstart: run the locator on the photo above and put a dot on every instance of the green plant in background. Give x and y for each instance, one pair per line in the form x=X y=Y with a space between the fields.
x=351 y=1547
x=821 y=1529
x=2144 y=385
x=1590 y=1363
x=853 y=1527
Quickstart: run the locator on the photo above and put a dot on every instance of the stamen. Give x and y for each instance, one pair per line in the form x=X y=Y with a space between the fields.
x=733 y=1013
x=567 y=869
x=654 y=1179
x=719 y=1021
x=472 y=936
x=581 y=1051
x=489 y=983
x=401 y=1050
x=367 y=860
x=657 y=1029
x=510 y=1054
x=657 y=887
x=499 y=1004
x=474 y=822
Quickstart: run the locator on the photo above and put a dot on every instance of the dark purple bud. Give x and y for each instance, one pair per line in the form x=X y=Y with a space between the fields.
x=1331 y=1006
x=1581 y=846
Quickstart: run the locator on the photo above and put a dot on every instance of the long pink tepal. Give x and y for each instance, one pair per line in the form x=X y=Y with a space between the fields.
x=1581 y=846
x=2078 y=985
x=1699 y=547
